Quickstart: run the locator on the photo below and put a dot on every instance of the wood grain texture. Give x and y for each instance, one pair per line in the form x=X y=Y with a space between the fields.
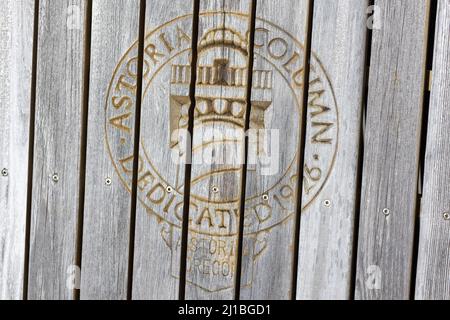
x=277 y=99
x=106 y=228
x=390 y=167
x=54 y=210
x=168 y=27
x=217 y=148
x=16 y=47
x=433 y=279
x=391 y=156
x=327 y=231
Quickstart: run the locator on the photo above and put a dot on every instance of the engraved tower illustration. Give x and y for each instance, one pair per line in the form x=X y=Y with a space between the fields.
x=220 y=98
x=219 y=121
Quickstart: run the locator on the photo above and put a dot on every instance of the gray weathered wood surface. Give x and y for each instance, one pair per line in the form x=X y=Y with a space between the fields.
x=16 y=47
x=216 y=168
x=57 y=145
x=391 y=155
x=327 y=228
x=157 y=242
x=107 y=211
x=267 y=267
x=100 y=234
x=433 y=275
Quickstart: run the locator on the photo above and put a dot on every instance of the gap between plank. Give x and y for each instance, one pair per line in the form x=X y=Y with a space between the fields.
x=83 y=144
x=188 y=165
x=31 y=150
x=301 y=148
x=432 y=15
x=364 y=101
x=137 y=134
x=251 y=46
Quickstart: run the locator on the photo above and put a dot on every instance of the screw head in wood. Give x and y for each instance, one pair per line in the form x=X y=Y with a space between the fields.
x=327 y=203
x=169 y=189
x=55 y=177
x=108 y=181
x=5 y=172
x=446 y=215
x=265 y=197
x=386 y=212
x=215 y=189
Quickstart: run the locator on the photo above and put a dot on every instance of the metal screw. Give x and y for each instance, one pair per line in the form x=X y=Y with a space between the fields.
x=169 y=189
x=55 y=177
x=327 y=203
x=446 y=216
x=265 y=197
x=386 y=212
x=108 y=181
x=5 y=172
x=215 y=189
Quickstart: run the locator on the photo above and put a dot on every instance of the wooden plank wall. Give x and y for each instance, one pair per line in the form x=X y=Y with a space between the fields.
x=97 y=96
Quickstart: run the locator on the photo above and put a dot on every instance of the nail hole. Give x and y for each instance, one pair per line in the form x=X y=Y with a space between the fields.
x=447 y=216
x=215 y=189
x=386 y=211
x=327 y=203
x=108 y=181
x=5 y=172
x=265 y=197
x=169 y=189
x=55 y=177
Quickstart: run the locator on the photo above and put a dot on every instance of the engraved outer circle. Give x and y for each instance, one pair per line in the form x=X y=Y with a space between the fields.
x=270 y=198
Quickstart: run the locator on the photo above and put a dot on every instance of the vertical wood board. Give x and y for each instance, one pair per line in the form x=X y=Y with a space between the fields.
x=159 y=210
x=16 y=48
x=56 y=163
x=391 y=156
x=332 y=149
x=272 y=170
x=221 y=93
x=433 y=277
x=106 y=227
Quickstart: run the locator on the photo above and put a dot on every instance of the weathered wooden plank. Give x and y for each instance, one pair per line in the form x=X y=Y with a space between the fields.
x=277 y=99
x=54 y=209
x=327 y=226
x=16 y=48
x=391 y=156
x=433 y=279
x=106 y=228
x=160 y=178
x=221 y=87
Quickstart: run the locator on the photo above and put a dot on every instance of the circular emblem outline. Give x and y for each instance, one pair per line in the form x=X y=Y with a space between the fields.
x=159 y=68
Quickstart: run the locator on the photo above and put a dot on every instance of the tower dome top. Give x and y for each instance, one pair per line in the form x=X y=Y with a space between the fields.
x=222 y=36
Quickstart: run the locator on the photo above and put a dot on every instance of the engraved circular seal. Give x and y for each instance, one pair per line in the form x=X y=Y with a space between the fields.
x=220 y=103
